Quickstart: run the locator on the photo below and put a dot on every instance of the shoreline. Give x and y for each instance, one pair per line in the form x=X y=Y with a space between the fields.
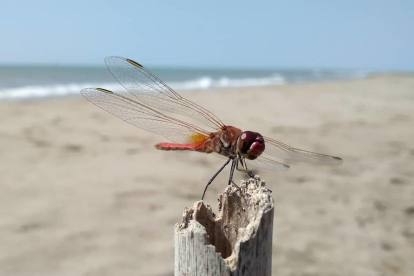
x=121 y=89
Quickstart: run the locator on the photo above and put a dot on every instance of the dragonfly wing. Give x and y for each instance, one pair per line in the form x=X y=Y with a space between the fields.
x=144 y=117
x=266 y=163
x=152 y=91
x=283 y=151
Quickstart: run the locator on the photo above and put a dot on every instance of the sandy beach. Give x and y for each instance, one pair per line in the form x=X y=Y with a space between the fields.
x=83 y=193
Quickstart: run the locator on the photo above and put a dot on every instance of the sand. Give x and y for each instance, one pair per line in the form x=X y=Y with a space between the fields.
x=83 y=193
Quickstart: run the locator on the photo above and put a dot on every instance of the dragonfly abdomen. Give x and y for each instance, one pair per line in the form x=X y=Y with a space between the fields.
x=199 y=146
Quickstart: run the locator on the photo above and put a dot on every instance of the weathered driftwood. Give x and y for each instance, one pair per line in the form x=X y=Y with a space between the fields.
x=236 y=241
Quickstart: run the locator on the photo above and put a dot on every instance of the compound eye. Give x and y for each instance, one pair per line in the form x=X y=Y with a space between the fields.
x=250 y=144
x=245 y=141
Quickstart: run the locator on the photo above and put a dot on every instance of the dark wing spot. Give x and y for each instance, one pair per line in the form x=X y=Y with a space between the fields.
x=104 y=90
x=136 y=64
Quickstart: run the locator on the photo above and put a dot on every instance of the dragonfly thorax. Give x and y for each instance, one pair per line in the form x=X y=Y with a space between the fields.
x=250 y=144
x=224 y=141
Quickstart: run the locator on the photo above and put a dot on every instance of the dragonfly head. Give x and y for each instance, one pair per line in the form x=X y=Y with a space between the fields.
x=250 y=144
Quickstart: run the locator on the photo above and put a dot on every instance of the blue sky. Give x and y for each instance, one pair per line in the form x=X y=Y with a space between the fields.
x=273 y=34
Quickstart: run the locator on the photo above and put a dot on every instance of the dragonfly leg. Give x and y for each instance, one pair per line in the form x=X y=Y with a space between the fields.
x=249 y=172
x=237 y=186
x=233 y=167
x=244 y=169
x=214 y=176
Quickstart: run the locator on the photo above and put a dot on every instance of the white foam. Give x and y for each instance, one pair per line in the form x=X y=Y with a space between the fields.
x=225 y=82
x=58 y=90
x=44 y=91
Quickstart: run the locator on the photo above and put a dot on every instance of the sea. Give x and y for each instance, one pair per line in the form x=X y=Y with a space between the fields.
x=37 y=82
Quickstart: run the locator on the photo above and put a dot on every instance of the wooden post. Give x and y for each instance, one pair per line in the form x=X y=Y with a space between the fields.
x=237 y=241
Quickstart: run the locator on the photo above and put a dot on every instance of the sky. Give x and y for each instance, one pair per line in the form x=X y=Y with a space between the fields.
x=364 y=34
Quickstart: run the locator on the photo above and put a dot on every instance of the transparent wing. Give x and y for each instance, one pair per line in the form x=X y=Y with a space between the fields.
x=283 y=151
x=265 y=163
x=152 y=91
x=144 y=117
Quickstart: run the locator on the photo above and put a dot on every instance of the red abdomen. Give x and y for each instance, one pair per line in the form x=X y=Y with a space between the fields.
x=199 y=146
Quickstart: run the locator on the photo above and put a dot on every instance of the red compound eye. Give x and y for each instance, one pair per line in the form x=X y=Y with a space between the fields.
x=250 y=144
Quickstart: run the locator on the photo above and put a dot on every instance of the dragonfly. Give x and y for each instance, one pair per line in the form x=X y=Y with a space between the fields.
x=154 y=106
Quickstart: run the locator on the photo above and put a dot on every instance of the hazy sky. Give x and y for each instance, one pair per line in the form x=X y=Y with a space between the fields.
x=345 y=34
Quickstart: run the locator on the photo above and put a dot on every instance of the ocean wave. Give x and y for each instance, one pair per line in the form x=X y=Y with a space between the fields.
x=224 y=82
x=60 y=90
x=47 y=91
